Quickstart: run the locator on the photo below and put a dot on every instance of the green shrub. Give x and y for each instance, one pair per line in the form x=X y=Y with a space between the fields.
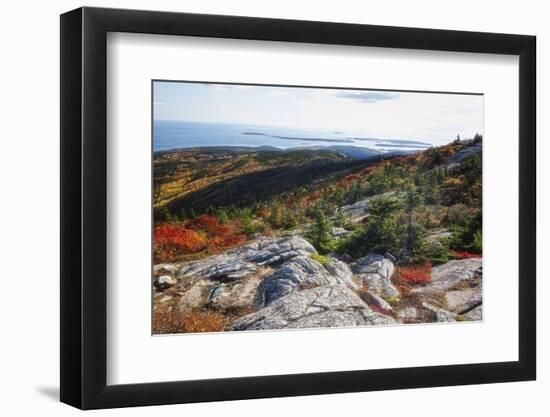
x=393 y=301
x=281 y=217
x=477 y=244
x=436 y=252
x=251 y=226
x=380 y=233
x=468 y=235
x=319 y=258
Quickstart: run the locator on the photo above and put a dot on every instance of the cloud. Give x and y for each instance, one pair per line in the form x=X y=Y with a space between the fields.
x=277 y=93
x=369 y=96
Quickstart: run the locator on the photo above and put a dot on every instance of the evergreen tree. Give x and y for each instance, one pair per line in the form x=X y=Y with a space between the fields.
x=413 y=231
x=320 y=233
x=380 y=233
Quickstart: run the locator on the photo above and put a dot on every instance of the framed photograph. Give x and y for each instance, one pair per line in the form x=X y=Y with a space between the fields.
x=256 y=208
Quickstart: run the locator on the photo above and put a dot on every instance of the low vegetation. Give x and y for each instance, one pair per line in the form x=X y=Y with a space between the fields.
x=167 y=319
x=204 y=234
x=209 y=200
x=414 y=274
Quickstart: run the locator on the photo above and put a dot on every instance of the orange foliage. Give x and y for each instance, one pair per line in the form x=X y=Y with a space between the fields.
x=348 y=180
x=315 y=196
x=418 y=274
x=264 y=213
x=205 y=233
x=368 y=170
x=447 y=150
x=351 y=177
x=169 y=240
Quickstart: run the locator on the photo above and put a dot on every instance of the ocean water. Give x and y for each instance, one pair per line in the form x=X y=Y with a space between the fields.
x=178 y=134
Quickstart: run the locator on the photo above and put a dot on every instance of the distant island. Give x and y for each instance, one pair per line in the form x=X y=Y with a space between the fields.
x=298 y=137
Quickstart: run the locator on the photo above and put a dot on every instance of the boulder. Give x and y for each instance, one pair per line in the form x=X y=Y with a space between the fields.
x=346 y=258
x=196 y=296
x=379 y=285
x=373 y=300
x=441 y=315
x=449 y=275
x=375 y=271
x=475 y=314
x=247 y=259
x=358 y=211
x=164 y=299
x=164 y=282
x=461 y=301
x=455 y=285
x=339 y=232
x=390 y=257
x=355 y=212
x=236 y=294
x=219 y=267
x=273 y=251
x=374 y=264
x=166 y=269
x=341 y=270
x=299 y=273
x=324 y=306
x=435 y=236
x=230 y=279
x=408 y=313
x=444 y=316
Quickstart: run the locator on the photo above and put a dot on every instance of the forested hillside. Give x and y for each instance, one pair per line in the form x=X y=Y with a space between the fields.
x=214 y=198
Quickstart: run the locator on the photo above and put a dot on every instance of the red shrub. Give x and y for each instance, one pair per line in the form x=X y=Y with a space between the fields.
x=418 y=274
x=464 y=255
x=171 y=240
x=208 y=224
x=205 y=233
x=234 y=240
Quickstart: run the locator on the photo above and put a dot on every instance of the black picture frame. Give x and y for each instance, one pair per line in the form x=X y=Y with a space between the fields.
x=84 y=207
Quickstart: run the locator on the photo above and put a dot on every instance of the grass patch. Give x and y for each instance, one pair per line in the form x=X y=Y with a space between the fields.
x=393 y=301
x=168 y=319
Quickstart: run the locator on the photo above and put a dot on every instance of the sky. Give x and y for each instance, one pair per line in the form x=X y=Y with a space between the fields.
x=430 y=117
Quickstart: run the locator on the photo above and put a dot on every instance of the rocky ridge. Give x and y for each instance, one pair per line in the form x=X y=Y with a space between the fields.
x=278 y=284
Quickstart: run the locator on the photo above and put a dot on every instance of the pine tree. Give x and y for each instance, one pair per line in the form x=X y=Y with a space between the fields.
x=320 y=233
x=412 y=200
x=380 y=234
